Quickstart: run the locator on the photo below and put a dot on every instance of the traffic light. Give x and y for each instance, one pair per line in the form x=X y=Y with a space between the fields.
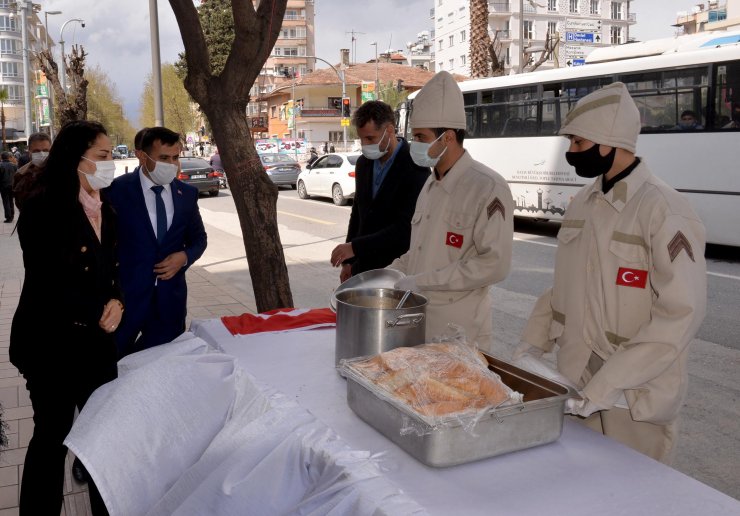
x=345 y=107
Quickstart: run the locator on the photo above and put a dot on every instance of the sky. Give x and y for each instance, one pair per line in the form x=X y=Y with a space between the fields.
x=116 y=35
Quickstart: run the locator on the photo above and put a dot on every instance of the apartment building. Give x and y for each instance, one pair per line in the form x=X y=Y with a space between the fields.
x=11 y=67
x=292 y=53
x=521 y=28
x=711 y=15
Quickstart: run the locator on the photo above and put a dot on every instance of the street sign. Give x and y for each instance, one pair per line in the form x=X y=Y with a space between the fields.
x=582 y=37
x=575 y=62
x=583 y=25
x=345 y=122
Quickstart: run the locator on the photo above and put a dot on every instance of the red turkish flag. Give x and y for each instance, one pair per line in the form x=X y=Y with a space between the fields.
x=454 y=240
x=632 y=277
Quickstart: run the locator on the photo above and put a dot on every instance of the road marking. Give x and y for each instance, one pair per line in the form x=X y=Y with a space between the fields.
x=719 y=275
x=534 y=242
x=716 y=274
x=317 y=221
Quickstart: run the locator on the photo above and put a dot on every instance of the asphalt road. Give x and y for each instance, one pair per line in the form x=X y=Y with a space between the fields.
x=709 y=439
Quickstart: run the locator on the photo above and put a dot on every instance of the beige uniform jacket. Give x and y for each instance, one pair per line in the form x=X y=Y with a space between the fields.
x=630 y=287
x=461 y=239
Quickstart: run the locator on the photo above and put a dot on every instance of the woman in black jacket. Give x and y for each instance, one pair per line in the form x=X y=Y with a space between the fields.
x=61 y=338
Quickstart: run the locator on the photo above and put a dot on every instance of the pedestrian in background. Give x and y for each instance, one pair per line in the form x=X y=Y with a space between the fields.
x=61 y=337
x=161 y=234
x=25 y=182
x=462 y=230
x=7 y=173
x=387 y=184
x=629 y=291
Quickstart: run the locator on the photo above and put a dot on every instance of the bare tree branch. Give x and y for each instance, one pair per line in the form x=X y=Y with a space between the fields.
x=196 y=51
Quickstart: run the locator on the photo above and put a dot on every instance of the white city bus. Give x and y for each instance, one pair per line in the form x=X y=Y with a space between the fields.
x=512 y=124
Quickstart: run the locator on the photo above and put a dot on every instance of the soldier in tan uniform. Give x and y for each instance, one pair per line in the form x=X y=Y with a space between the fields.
x=462 y=227
x=630 y=283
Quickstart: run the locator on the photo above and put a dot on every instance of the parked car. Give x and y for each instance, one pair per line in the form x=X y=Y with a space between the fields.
x=197 y=172
x=332 y=175
x=282 y=169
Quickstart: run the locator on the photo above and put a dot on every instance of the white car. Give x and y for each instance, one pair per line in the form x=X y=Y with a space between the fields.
x=331 y=175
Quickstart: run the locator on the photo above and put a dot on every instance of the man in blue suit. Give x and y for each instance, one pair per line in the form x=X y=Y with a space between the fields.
x=160 y=234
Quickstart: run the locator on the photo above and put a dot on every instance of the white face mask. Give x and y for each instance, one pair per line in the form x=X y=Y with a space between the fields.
x=163 y=173
x=103 y=176
x=38 y=157
x=373 y=151
x=420 y=153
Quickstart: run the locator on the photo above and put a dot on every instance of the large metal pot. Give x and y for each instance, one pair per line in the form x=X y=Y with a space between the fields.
x=369 y=323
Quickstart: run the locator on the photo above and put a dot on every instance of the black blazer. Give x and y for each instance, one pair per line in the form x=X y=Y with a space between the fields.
x=69 y=277
x=380 y=228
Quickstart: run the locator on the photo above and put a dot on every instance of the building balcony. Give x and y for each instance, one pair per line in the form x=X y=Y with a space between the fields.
x=257 y=122
x=319 y=112
x=292 y=42
x=503 y=35
x=496 y=9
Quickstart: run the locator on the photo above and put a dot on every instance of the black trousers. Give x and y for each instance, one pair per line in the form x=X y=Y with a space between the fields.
x=80 y=360
x=6 y=192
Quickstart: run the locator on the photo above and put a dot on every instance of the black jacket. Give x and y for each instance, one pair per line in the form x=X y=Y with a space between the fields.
x=380 y=228
x=69 y=277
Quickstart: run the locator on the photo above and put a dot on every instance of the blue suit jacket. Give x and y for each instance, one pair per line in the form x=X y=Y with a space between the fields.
x=156 y=308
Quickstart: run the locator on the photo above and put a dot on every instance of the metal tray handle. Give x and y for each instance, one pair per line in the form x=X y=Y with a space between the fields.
x=405 y=320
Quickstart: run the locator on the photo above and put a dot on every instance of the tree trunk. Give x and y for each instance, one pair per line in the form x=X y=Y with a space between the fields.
x=480 y=41
x=255 y=198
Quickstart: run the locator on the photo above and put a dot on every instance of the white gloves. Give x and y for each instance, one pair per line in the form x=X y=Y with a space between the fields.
x=526 y=349
x=407 y=283
x=582 y=407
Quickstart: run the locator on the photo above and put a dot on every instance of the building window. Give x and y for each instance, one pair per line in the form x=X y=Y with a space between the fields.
x=15 y=93
x=616 y=36
x=7 y=23
x=616 y=10
x=441 y=65
x=463 y=60
x=594 y=7
x=463 y=36
x=573 y=6
x=273 y=111
x=8 y=46
x=10 y=69
x=334 y=103
x=452 y=40
x=552 y=28
x=439 y=45
x=452 y=64
x=552 y=5
x=335 y=136
x=528 y=29
x=440 y=2
x=295 y=14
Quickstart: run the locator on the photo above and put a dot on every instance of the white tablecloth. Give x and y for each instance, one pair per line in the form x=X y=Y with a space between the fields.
x=583 y=473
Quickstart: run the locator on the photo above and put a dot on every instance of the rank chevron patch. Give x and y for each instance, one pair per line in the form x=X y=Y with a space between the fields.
x=678 y=243
x=496 y=205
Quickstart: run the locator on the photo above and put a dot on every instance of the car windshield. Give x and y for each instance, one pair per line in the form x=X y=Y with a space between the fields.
x=276 y=158
x=353 y=159
x=187 y=163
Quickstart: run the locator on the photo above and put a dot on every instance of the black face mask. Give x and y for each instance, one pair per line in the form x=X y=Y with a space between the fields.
x=590 y=163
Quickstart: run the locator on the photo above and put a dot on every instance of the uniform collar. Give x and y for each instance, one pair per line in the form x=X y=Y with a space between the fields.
x=623 y=190
x=454 y=174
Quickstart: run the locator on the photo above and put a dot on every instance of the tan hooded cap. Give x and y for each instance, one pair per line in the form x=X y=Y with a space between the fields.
x=607 y=116
x=439 y=104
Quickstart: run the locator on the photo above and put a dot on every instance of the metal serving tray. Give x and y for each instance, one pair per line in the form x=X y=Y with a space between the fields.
x=538 y=420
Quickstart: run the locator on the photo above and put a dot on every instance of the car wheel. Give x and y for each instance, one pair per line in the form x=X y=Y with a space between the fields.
x=337 y=195
x=213 y=193
x=302 y=193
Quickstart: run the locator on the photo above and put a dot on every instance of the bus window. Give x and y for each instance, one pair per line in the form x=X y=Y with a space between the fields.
x=470 y=99
x=727 y=96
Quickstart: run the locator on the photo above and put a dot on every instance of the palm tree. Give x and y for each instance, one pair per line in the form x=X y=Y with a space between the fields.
x=3 y=99
x=480 y=41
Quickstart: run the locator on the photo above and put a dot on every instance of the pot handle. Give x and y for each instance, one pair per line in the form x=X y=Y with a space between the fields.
x=405 y=320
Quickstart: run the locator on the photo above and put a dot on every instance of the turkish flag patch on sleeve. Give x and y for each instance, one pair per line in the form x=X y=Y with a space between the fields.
x=632 y=277
x=454 y=239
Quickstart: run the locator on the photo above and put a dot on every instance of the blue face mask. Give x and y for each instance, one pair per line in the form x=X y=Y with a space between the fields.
x=420 y=153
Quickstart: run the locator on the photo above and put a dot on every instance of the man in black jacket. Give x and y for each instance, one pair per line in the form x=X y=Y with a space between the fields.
x=7 y=171
x=387 y=183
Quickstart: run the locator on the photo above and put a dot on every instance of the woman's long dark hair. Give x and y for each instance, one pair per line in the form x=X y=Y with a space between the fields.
x=60 y=178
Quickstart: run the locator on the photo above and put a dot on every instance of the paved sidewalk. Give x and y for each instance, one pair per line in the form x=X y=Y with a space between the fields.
x=208 y=297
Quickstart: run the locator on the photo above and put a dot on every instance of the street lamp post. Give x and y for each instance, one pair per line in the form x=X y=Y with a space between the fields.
x=377 y=81
x=24 y=11
x=521 y=36
x=156 y=64
x=340 y=74
x=50 y=91
x=63 y=78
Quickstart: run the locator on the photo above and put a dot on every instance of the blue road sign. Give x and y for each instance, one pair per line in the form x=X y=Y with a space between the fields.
x=579 y=62
x=580 y=37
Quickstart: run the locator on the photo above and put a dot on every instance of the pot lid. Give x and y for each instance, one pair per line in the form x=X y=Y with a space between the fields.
x=377 y=278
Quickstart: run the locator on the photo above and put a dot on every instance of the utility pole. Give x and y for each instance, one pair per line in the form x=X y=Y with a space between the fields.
x=156 y=64
x=377 y=81
x=354 y=44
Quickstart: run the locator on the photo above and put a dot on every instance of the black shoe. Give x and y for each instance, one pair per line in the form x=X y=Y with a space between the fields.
x=7 y=221
x=79 y=472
